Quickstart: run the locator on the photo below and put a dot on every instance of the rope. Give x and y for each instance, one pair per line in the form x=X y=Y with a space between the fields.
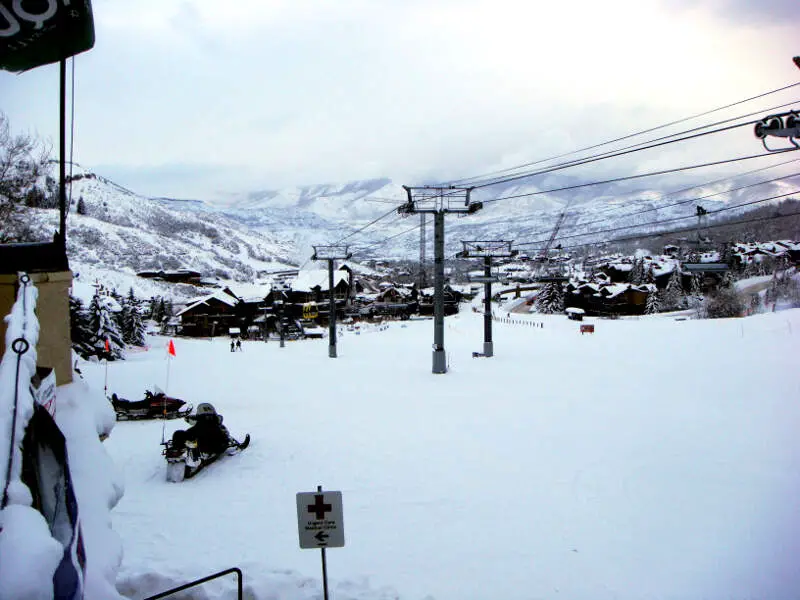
x=20 y=346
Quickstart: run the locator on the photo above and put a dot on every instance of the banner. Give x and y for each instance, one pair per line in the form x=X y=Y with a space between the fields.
x=36 y=33
x=43 y=389
x=46 y=472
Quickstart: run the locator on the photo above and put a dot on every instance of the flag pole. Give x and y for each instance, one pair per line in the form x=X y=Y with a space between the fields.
x=170 y=354
x=108 y=353
x=166 y=384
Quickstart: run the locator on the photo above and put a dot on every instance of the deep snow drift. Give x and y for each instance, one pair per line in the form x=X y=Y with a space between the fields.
x=653 y=459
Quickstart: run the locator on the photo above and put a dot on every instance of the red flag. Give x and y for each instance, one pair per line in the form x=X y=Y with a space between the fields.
x=108 y=346
x=171 y=348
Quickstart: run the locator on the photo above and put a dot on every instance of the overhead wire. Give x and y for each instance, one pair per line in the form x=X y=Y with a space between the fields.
x=692 y=187
x=670 y=232
x=640 y=175
x=641 y=146
x=661 y=221
x=360 y=229
x=657 y=142
x=617 y=153
x=678 y=203
x=463 y=181
x=391 y=237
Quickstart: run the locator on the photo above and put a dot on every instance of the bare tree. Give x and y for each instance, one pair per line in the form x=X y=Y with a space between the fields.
x=23 y=178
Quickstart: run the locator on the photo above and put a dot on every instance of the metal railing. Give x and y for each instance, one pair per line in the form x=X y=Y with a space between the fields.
x=197 y=582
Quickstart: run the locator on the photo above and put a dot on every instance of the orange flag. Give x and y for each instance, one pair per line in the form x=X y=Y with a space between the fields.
x=108 y=346
x=171 y=348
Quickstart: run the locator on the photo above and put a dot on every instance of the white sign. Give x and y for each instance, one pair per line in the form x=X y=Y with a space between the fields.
x=320 y=519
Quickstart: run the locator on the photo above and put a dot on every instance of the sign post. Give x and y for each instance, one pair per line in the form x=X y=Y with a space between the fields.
x=320 y=524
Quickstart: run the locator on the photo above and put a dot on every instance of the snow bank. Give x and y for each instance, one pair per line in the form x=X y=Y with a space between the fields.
x=29 y=552
x=84 y=415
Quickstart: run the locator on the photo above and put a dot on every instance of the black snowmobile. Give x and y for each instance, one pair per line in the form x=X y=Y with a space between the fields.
x=191 y=450
x=156 y=405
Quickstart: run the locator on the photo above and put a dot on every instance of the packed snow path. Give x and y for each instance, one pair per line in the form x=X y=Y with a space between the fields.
x=652 y=459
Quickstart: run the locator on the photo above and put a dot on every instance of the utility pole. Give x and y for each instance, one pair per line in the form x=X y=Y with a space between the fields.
x=439 y=201
x=331 y=254
x=422 y=244
x=279 y=305
x=487 y=249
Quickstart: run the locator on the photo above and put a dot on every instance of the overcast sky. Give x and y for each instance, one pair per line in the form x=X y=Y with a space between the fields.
x=194 y=98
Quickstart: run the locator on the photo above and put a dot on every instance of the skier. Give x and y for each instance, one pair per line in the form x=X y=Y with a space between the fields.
x=211 y=435
x=233 y=346
x=239 y=345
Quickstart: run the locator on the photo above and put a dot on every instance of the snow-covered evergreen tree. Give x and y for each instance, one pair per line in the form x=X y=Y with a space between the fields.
x=79 y=328
x=653 y=303
x=104 y=327
x=637 y=273
x=650 y=274
x=550 y=299
x=132 y=326
x=695 y=297
x=156 y=308
x=672 y=298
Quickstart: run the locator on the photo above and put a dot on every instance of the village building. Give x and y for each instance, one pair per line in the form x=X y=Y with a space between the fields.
x=210 y=315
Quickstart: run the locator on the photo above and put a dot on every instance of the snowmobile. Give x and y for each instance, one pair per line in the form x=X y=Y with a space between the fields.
x=156 y=405
x=189 y=452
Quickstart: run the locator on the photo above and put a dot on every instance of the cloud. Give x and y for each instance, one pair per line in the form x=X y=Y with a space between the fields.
x=271 y=93
x=778 y=12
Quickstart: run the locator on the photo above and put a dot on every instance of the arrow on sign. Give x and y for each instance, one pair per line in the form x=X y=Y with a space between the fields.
x=322 y=537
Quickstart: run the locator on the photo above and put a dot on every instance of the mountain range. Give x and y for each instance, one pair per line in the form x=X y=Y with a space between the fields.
x=245 y=237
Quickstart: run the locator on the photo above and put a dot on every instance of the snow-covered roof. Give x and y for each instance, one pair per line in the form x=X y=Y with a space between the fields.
x=308 y=279
x=218 y=295
x=615 y=289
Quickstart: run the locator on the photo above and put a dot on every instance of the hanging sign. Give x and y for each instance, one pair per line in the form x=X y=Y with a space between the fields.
x=40 y=32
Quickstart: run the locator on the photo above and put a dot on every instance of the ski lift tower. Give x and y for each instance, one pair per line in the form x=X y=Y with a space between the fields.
x=487 y=250
x=331 y=254
x=439 y=201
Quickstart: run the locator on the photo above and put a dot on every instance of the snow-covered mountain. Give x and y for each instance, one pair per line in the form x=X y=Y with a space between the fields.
x=247 y=236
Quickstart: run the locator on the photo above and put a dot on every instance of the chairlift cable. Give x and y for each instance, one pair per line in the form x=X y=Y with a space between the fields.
x=615 y=154
x=678 y=203
x=625 y=137
x=661 y=221
x=641 y=175
x=691 y=229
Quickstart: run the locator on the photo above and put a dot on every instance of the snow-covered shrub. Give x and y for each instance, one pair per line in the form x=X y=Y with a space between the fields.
x=724 y=303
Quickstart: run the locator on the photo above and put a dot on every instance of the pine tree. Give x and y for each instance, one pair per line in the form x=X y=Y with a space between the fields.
x=672 y=298
x=80 y=331
x=81 y=208
x=650 y=276
x=550 y=299
x=653 y=304
x=637 y=273
x=162 y=310
x=155 y=303
x=132 y=326
x=727 y=280
x=104 y=327
x=696 y=292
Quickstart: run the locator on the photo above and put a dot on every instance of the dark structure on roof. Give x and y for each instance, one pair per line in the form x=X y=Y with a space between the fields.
x=35 y=257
